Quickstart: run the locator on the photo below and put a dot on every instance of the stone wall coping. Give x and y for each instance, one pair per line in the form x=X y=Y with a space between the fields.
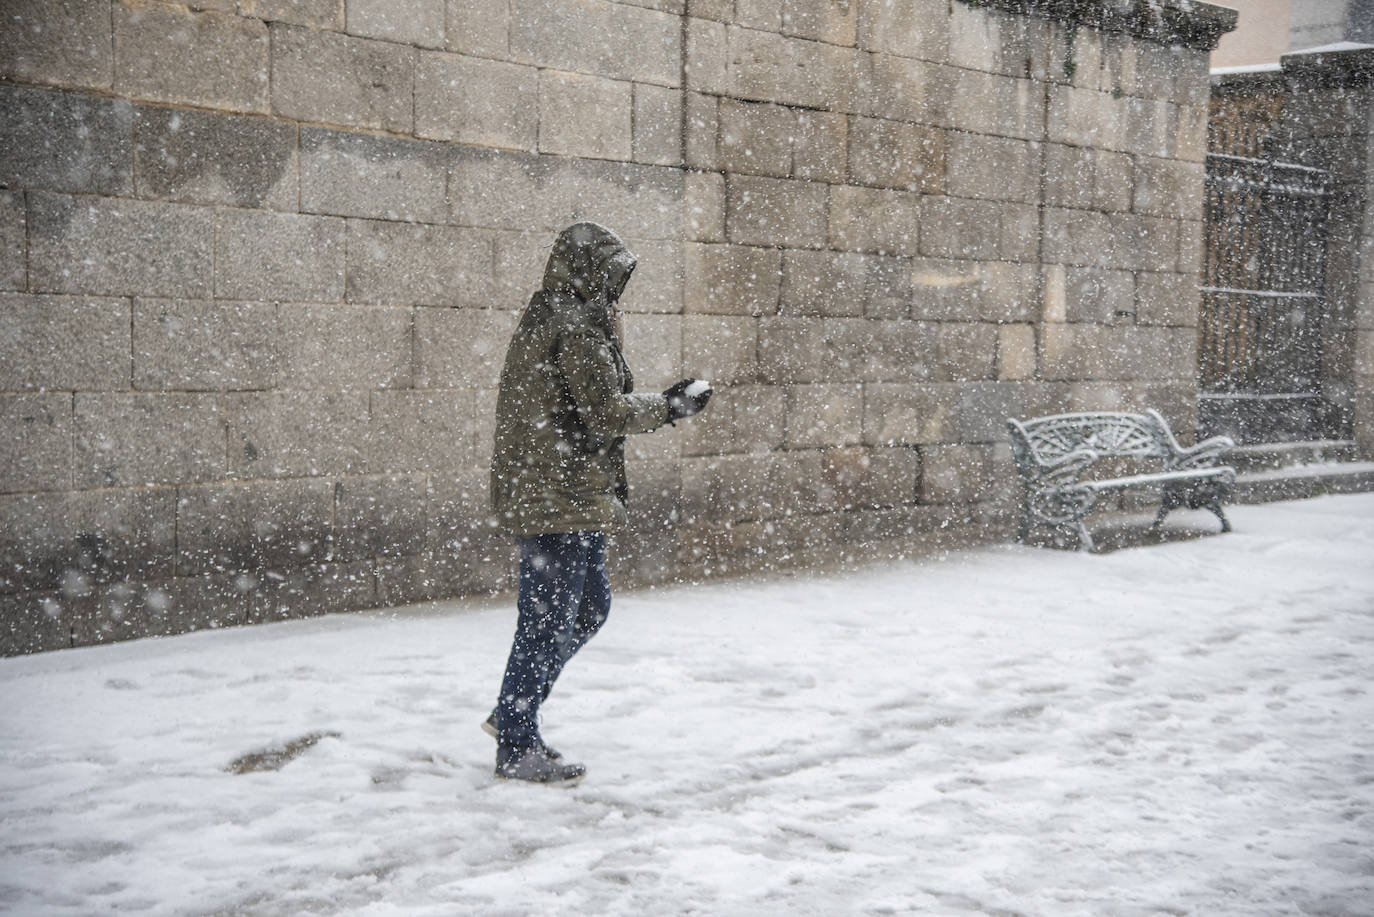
x=1190 y=23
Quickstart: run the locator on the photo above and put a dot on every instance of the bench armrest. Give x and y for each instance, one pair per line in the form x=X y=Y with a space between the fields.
x=1202 y=455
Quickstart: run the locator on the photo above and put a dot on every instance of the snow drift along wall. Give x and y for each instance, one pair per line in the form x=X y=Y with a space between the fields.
x=260 y=260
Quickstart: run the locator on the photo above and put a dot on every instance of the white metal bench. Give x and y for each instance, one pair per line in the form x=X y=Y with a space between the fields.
x=1053 y=453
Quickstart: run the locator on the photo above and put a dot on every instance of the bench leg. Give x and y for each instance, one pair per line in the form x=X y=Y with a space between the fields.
x=1085 y=538
x=1216 y=511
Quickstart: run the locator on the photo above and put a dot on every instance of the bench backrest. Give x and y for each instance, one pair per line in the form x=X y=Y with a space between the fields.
x=1108 y=433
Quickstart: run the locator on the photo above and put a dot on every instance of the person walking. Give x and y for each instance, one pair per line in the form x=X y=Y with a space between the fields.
x=565 y=405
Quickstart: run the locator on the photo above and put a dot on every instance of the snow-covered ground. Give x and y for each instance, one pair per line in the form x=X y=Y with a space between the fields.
x=1179 y=729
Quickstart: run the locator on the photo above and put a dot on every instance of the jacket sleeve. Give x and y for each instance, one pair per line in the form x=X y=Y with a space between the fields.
x=586 y=363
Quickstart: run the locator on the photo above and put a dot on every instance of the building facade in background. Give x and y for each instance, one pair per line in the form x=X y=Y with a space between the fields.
x=259 y=261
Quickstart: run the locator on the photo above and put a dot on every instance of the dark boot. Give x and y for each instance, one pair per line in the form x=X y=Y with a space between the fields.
x=534 y=765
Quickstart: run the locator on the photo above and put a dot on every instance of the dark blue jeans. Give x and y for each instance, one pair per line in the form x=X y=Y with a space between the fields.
x=564 y=599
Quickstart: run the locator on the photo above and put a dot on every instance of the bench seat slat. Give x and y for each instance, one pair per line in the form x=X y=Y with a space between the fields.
x=1160 y=476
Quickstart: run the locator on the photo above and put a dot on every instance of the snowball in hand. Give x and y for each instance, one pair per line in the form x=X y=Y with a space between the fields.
x=696 y=388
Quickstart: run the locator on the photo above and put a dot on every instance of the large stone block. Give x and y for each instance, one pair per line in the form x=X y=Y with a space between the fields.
x=820 y=146
x=344 y=347
x=1015 y=352
x=820 y=20
x=479 y=27
x=461 y=348
x=882 y=351
x=1073 y=352
x=318 y=14
x=731 y=279
x=988 y=103
x=740 y=418
x=657 y=125
x=36 y=451
x=756 y=137
x=509 y=191
x=585 y=116
x=955 y=227
x=766 y=66
x=984 y=408
x=795 y=350
x=421 y=431
x=1169 y=188
x=908 y=28
x=965 y=351
x=38 y=621
x=653 y=349
x=76 y=541
x=14 y=242
x=572 y=36
x=61 y=44
x=749 y=486
x=370 y=85
x=1020 y=232
x=1080 y=237
x=707 y=64
x=165 y=53
x=1088 y=294
x=992 y=167
x=874 y=220
x=190 y=345
x=210 y=158
x=409 y=263
x=723 y=349
x=999 y=42
x=481 y=102
x=276 y=526
x=1150 y=127
x=360 y=175
x=139 y=439
x=279 y=256
x=546 y=193
x=907 y=414
x=298 y=434
x=862 y=477
x=380 y=516
x=769 y=211
x=824 y=415
x=704 y=206
x=411 y=22
x=904 y=89
x=113 y=246
x=974 y=290
x=1143 y=243
x=63 y=343
x=895 y=154
x=659 y=279
x=1167 y=299
x=954 y=473
x=1088 y=118
x=62 y=141
x=458 y=511
x=701 y=122
x=825 y=283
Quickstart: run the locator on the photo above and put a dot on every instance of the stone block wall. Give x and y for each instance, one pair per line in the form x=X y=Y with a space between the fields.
x=259 y=261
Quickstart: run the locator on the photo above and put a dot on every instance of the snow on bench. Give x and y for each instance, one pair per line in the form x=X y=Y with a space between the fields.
x=1053 y=454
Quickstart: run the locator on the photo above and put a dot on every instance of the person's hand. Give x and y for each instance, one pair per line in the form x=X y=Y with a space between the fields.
x=686 y=398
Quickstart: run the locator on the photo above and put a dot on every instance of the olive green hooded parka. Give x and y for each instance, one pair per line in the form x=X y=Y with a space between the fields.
x=565 y=403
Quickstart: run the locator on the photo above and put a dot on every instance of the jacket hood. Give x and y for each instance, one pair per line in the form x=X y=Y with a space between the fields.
x=590 y=262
